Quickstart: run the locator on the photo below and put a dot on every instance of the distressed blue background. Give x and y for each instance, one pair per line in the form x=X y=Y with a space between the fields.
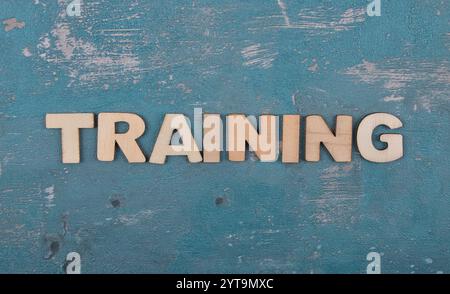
x=258 y=56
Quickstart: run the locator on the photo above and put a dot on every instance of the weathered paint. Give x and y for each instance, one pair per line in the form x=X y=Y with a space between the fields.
x=257 y=56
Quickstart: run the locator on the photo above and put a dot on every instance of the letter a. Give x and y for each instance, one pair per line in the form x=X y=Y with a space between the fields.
x=74 y=8
x=374 y=8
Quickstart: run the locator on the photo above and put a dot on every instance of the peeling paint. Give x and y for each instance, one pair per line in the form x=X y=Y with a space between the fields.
x=26 y=52
x=393 y=98
x=397 y=76
x=12 y=23
x=320 y=20
x=82 y=60
x=340 y=198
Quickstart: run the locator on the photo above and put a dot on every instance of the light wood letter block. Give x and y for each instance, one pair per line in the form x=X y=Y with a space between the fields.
x=70 y=125
x=339 y=145
x=107 y=136
x=394 y=149
x=212 y=138
x=291 y=139
x=240 y=131
x=162 y=148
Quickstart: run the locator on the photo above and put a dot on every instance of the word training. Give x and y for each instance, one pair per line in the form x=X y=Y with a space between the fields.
x=261 y=136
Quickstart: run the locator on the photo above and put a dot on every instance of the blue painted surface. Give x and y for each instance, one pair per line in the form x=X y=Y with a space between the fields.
x=157 y=57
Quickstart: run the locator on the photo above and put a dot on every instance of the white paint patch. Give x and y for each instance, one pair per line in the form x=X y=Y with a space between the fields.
x=50 y=191
x=12 y=23
x=65 y=43
x=256 y=56
x=44 y=43
x=26 y=52
x=283 y=8
x=393 y=98
x=428 y=260
x=294 y=97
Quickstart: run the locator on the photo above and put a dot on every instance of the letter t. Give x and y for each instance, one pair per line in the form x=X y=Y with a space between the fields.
x=70 y=124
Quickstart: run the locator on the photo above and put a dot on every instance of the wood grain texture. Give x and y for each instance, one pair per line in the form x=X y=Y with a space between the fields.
x=262 y=137
x=253 y=57
x=291 y=138
x=163 y=147
x=337 y=142
x=70 y=125
x=108 y=137
x=212 y=138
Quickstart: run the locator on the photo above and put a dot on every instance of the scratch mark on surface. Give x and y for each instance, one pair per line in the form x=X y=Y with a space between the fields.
x=339 y=197
x=283 y=8
x=256 y=56
x=294 y=97
x=324 y=19
x=12 y=23
x=393 y=98
x=398 y=74
x=319 y=20
x=132 y=219
x=50 y=191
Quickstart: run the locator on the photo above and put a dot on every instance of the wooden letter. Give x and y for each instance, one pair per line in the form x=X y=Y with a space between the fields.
x=162 y=147
x=291 y=138
x=339 y=145
x=212 y=140
x=107 y=136
x=265 y=143
x=394 y=149
x=70 y=124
